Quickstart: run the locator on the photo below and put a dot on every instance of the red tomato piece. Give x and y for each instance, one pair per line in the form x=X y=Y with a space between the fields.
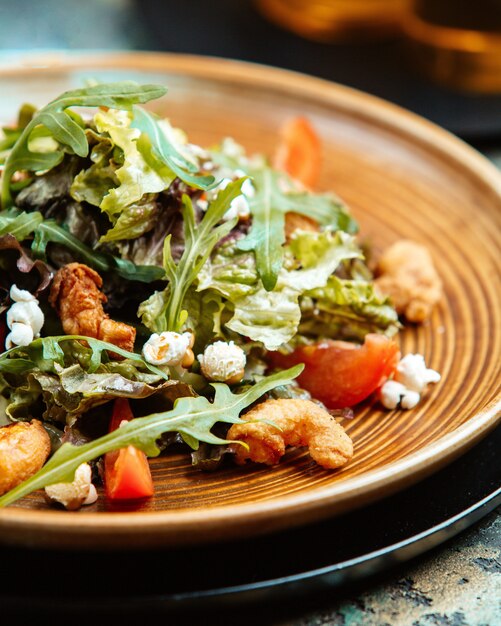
x=121 y=412
x=342 y=374
x=300 y=153
x=127 y=474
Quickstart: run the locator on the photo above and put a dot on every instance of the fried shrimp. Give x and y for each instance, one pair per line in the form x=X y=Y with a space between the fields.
x=24 y=448
x=295 y=423
x=76 y=296
x=407 y=275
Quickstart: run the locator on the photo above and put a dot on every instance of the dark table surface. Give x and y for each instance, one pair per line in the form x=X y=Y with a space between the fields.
x=458 y=584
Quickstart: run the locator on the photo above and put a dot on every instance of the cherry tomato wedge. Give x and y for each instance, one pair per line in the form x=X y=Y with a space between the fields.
x=342 y=374
x=300 y=153
x=127 y=474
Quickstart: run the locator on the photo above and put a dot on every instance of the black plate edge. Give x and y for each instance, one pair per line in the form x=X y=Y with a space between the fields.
x=298 y=586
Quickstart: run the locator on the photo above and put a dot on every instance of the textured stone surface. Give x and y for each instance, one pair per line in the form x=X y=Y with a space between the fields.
x=459 y=585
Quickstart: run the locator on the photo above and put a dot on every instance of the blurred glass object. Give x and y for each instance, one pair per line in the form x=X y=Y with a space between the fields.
x=457 y=42
x=336 y=20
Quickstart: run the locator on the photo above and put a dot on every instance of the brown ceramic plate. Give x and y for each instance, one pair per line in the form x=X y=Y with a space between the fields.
x=402 y=177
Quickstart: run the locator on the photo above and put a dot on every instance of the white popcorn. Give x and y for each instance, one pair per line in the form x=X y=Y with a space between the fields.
x=223 y=362
x=25 y=318
x=198 y=151
x=410 y=379
x=413 y=373
x=232 y=149
x=73 y=495
x=177 y=137
x=20 y=335
x=167 y=348
x=393 y=394
x=410 y=399
x=239 y=206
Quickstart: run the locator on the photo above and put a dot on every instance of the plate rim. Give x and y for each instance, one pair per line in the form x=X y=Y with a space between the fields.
x=217 y=68
x=20 y=525
x=305 y=582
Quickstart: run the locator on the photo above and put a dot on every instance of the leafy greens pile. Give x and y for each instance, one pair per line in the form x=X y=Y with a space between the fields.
x=123 y=191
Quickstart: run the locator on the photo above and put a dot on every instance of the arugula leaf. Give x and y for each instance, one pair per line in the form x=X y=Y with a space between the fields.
x=11 y=135
x=277 y=194
x=165 y=149
x=200 y=240
x=193 y=418
x=50 y=231
x=64 y=128
x=42 y=353
x=68 y=388
x=22 y=225
x=129 y=270
x=269 y=206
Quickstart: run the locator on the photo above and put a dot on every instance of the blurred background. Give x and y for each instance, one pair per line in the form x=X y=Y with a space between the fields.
x=438 y=58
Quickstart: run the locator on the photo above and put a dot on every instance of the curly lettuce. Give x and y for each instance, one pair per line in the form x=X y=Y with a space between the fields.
x=273 y=317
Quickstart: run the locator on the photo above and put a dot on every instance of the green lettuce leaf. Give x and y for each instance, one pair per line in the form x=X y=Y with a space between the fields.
x=136 y=176
x=319 y=254
x=230 y=272
x=193 y=418
x=66 y=129
x=205 y=309
x=21 y=394
x=346 y=309
x=92 y=185
x=71 y=378
x=73 y=391
x=273 y=317
x=152 y=311
x=134 y=221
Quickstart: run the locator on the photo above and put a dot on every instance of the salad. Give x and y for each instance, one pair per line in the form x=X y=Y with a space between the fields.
x=156 y=293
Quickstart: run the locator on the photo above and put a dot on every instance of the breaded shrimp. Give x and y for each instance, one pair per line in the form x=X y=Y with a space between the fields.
x=296 y=423
x=407 y=275
x=24 y=448
x=76 y=296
